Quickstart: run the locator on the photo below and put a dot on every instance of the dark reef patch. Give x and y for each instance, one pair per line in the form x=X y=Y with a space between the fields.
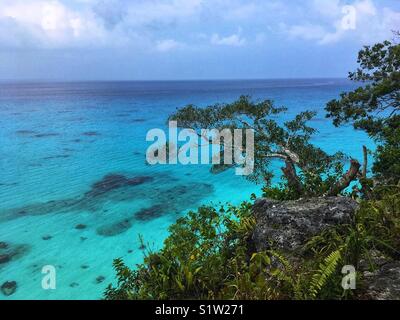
x=3 y=245
x=35 y=165
x=100 y=279
x=26 y=132
x=61 y=156
x=76 y=119
x=39 y=209
x=165 y=196
x=170 y=201
x=91 y=134
x=46 y=135
x=10 y=252
x=115 y=181
x=4 y=258
x=150 y=213
x=112 y=187
x=138 y=120
x=8 y=184
x=114 y=229
x=8 y=288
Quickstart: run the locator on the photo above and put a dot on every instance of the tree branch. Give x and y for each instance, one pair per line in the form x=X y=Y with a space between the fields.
x=347 y=178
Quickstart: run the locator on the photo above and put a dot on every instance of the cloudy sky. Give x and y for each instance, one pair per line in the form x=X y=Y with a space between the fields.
x=188 y=39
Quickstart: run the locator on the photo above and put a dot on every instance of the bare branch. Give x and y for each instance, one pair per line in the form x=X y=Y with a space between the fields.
x=347 y=178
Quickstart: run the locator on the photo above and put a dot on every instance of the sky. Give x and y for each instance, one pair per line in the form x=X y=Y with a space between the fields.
x=188 y=39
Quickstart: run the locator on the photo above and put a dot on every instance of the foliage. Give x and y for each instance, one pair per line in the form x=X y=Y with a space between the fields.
x=316 y=181
x=375 y=107
x=308 y=170
x=209 y=255
x=326 y=269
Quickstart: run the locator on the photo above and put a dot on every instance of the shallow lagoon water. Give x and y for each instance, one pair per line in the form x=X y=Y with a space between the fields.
x=75 y=191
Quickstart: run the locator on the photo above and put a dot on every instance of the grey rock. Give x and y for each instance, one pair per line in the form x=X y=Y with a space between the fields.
x=288 y=225
x=383 y=284
x=372 y=260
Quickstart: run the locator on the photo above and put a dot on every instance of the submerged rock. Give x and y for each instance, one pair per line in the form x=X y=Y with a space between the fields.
x=26 y=132
x=114 y=229
x=288 y=225
x=46 y=135
x=91 y=133
x=151 y=213
x=9 y=287
x=383 y=284
x=100 y=279
x=13 y=252
x=138 y=120
x=4 y=258
x=3 y=245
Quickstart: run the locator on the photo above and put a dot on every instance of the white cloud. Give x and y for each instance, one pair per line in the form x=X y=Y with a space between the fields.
x=168 y=45
x=234 y=40
x=52 y=24
x=97 y=23
x=371 y=23
x=306 y=31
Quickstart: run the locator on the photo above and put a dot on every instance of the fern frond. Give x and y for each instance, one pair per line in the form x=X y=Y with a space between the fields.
x=326 y=270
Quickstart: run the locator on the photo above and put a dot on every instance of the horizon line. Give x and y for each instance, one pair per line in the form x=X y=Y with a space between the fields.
x=171 y=80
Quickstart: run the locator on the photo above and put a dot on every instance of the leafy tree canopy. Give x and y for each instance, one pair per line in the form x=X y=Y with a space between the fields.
x=375 y=107
x=307 y=170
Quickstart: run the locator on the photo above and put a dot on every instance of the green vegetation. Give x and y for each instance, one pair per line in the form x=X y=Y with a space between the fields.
x=375 y=107
x=209 y=253
x=308 y=170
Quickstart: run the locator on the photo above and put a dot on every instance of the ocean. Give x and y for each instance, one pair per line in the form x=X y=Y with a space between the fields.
x=76 y=192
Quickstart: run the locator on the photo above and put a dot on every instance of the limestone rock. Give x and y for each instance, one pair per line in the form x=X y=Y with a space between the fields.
x=383 y=284
x=287 y=225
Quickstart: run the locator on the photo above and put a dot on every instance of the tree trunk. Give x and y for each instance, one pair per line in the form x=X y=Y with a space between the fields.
x=347 y=178
x=293 y=180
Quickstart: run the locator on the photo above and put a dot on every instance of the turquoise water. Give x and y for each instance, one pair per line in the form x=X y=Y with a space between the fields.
x=74 y=153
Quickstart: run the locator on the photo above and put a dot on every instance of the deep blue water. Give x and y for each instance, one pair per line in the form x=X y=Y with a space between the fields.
x=74 y=153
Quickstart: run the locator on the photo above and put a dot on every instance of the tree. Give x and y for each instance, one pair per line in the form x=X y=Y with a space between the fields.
x=307 y=171
x=375 y=106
